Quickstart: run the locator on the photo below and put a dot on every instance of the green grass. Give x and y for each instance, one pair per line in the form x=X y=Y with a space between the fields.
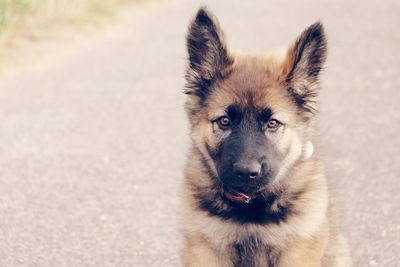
x=32 y=18
x=11 y=14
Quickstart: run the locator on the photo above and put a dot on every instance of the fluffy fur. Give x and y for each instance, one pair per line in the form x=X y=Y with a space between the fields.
x=292 y=221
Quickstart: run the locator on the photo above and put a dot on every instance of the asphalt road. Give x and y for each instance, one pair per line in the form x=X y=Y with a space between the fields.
x=92 y=144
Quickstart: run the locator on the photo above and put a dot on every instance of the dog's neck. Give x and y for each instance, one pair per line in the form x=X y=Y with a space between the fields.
x=272 y=205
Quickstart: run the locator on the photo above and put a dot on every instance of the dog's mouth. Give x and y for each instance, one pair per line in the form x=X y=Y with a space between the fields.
x=238 y=197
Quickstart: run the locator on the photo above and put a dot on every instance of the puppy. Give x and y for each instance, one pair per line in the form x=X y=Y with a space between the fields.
x=255 y=191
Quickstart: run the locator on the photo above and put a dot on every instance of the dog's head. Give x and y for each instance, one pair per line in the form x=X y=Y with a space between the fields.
x=250 y=115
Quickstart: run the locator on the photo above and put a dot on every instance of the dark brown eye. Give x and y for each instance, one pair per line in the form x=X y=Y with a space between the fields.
x=224 y=122
x=273 y=124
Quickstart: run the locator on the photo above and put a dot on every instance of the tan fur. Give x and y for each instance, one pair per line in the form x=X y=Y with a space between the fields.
x=303 y=239
x=199 y=253
x=309 y=237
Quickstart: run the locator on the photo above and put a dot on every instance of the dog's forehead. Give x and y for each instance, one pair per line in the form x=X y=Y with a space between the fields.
x=253 y=82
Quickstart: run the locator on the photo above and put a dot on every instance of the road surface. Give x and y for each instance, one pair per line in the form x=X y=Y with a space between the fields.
x=92 y=144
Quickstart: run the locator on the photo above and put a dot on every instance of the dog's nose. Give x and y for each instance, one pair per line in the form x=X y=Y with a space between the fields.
x=247 y=170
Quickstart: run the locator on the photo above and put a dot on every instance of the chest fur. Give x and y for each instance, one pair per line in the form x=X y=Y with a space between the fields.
x=251 y=252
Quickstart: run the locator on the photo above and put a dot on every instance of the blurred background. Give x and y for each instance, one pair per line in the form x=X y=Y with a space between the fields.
x=93 y=134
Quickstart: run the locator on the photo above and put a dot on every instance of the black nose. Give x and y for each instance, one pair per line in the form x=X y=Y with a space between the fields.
x=247 y=170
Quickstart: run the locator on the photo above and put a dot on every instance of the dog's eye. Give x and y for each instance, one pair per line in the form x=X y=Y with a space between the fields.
x=224 y=122
x=273 y=124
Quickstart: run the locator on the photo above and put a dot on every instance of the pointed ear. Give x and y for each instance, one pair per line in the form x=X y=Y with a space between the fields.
x=302 y=67
x=208 y=56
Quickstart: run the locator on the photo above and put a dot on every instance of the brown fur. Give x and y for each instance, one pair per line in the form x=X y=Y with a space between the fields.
x=307 y=235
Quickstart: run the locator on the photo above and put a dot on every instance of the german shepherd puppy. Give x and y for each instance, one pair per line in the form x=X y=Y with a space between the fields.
x=255 y=192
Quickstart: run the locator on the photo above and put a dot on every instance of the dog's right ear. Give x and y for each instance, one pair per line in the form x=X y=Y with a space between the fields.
x=208 y=56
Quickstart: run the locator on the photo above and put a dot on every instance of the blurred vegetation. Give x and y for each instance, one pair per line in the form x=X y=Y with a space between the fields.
x=34 y=18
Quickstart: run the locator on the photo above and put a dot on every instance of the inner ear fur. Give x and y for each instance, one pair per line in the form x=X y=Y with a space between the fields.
x=302 y=67
x=209 y=59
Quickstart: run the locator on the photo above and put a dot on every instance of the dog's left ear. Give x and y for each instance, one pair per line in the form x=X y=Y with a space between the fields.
x=302 y=66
